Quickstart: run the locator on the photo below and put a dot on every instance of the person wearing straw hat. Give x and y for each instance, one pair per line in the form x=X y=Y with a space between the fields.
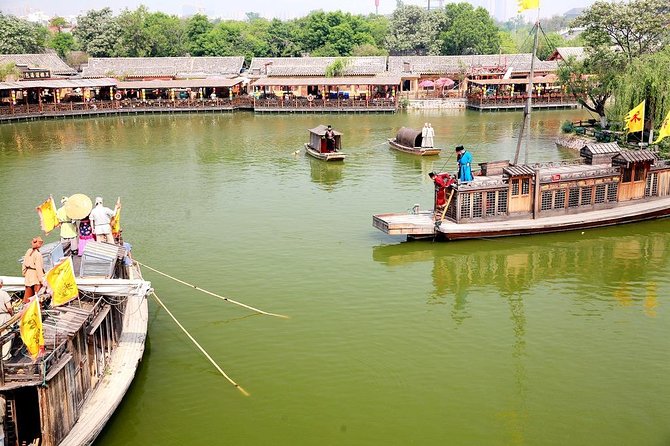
x=33 y=268
x=68 y=231
x=101 y=217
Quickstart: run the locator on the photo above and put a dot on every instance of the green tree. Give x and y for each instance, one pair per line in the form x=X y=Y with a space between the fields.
x=58 y=22
x=166 y=35
x=414 y=31
x=282 y=39
x=470 y=31
x=507 y=43
x=9 y=71
x=62 y=42
x=98 y=33
x=197 y=28
x=547 y=44
x=18 y=36
x=134 y=35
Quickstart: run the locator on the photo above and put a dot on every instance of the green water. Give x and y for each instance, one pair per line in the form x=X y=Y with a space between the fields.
x=543 y=340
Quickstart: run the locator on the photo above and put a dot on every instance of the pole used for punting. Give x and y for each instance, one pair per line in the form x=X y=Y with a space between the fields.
x=213 y=294
x=244 y=392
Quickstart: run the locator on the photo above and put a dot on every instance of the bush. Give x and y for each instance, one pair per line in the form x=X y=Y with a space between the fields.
x=567 y=127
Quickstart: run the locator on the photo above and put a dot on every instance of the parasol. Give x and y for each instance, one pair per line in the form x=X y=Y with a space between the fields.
x=444 y=82
x=426 y=83
x=78 y=206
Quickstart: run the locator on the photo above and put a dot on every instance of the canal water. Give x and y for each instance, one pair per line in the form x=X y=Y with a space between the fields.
x=539 y=340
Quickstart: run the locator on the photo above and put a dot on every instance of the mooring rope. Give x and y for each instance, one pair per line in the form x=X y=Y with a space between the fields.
x=213 y=294
x=244 y=392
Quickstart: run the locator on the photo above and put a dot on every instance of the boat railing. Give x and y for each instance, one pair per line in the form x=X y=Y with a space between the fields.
x=590 y=173
x=482 y=184
x=24 y=370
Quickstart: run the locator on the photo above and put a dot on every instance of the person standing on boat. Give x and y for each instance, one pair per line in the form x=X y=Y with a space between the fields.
x=68 y=231
x=464 y=165
x=424 y=135
x=330 y=140
x=101 y=217
x=33 y=269
x=440 y=189
x=430 y=135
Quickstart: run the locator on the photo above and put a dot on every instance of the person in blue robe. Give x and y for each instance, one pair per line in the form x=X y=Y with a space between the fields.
x=464 y=164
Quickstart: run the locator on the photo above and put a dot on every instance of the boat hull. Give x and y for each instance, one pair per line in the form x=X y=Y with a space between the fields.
x=324 y=156
x=420 y=151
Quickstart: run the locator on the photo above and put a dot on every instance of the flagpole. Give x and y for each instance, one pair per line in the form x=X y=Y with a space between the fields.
x=244 y=392
x=529 y=92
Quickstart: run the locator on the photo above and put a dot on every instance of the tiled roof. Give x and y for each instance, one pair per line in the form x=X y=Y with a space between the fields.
x=467 y=64
x=518 y=170
x=163 y=66
x=59 y=83
x=320 y=80
x=605 y=148
x=631 y=156
x=315 y=66
x=564 y=52
x=49 y=61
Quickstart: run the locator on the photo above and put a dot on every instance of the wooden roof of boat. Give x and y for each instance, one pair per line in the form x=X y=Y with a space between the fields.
x=518 y=170
x=635 y=156
x=603 y=148
x=409 y=137
x=321 y=130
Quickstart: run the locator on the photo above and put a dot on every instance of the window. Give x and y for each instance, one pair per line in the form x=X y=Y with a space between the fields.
x=525 y=186
x=626 y=175
x=587 y=192
x=502 y=202
x=545 y=204
x=477 y=205
x=612 y=190
x=515 y=187
x=490 y=203
x=559 y=200
x=600 y=193
x=573 y=198
x=639 y=172
x=465 y=206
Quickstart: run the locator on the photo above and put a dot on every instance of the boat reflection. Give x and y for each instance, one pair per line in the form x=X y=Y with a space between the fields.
x=326 y=175
x=421 y=164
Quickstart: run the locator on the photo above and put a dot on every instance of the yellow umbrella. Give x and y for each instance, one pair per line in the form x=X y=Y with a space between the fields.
x=78 y=206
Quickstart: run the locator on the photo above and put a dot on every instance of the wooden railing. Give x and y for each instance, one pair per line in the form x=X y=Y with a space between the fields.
x=519 y=100
x=321 y=103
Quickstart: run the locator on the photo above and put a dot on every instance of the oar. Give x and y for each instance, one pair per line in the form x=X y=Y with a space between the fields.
x=213 y=294
x=244 y=392
x=444 y=212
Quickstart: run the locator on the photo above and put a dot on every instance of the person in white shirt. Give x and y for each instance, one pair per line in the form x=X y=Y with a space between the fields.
x=101 y=218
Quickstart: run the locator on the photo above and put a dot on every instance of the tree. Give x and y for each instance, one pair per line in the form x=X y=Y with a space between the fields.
x=166 y=35
x=18 y=36
x=9 y=72
x=635 y=28
x=547 y=44
x=58 y=22
x=62 y=42
x=414 y=31
x=470 y=31
x=197 y=27
x=282 y=39
x=98 y=33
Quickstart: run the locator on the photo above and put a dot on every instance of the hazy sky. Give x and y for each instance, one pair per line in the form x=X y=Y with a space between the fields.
x=236 y=9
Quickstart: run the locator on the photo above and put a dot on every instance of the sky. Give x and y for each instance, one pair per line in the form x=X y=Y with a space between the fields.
x=236 y=9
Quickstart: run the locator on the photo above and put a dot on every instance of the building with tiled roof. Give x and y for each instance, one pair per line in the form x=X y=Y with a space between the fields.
x=566 y=52
x=466 y=65
x=46 y=61
x=315 y=66
x=163 y=67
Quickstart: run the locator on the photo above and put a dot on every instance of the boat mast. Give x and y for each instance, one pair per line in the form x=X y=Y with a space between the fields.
x=529 y=93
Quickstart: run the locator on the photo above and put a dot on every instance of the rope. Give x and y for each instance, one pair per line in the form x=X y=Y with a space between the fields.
x=244 y=392
x=213 y=294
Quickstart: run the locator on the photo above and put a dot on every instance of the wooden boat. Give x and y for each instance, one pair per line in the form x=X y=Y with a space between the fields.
x=318 y=147
x=93 y=346
x=409 y=141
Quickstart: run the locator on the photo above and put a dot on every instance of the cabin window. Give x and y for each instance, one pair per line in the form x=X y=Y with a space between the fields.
x=559 y=200
x=477 y=205
x=573 y=198
x=502 y=202
x=525 y=186
x=465 y=206
x=626 y=175
x=587 y=192
x=651 y=189
x=545 y=205
x=600 y=193
x=612 y=191
x=490 y=203
x=639 y=172
x=515 y=187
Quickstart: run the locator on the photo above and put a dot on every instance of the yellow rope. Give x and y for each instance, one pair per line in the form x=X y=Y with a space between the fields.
x=213 y=294
x=244 y=392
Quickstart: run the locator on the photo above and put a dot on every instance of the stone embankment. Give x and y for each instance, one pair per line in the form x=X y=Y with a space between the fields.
x=572 y=142
x=437 y=104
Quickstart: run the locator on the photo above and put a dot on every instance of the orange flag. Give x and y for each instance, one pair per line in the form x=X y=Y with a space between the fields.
x=62 y=282
x=47 y=213
x=30 y=327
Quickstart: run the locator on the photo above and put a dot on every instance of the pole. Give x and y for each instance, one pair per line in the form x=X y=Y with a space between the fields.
x=244 y=392
x=529 y=92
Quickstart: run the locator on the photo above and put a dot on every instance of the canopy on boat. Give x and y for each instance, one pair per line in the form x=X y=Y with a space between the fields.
x=321 y=130
x=409 y=137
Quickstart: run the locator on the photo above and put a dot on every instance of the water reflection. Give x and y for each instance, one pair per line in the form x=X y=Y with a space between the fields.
x=325 y=174
x=595 y=269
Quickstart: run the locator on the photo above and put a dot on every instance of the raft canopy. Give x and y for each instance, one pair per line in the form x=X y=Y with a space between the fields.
x=321 y=130
x=409 y=137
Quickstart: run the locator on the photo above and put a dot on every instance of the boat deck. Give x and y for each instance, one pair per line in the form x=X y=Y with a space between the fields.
x=423 y=224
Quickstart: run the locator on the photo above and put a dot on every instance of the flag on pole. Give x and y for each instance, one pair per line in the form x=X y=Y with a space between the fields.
x=62 y=282
x=47 y=213
x=528 y=4
x=116 y=220
x=634 y=120
x=30 y=327
x=664 y=130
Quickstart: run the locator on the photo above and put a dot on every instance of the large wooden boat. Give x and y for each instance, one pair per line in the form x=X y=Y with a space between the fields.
x=318 y=146
x=409 y=141
x=93 y=346
x=607 y=186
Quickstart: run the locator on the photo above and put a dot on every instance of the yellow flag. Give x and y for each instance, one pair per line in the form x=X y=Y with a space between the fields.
x=62 y=282
x=634 y=120
x=664 y=130
x=528 y=4
x=116 y=220
x=30 y=327
x=47 y=213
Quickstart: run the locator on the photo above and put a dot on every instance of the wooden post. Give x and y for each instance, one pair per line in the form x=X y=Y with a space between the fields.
x=536 y=194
